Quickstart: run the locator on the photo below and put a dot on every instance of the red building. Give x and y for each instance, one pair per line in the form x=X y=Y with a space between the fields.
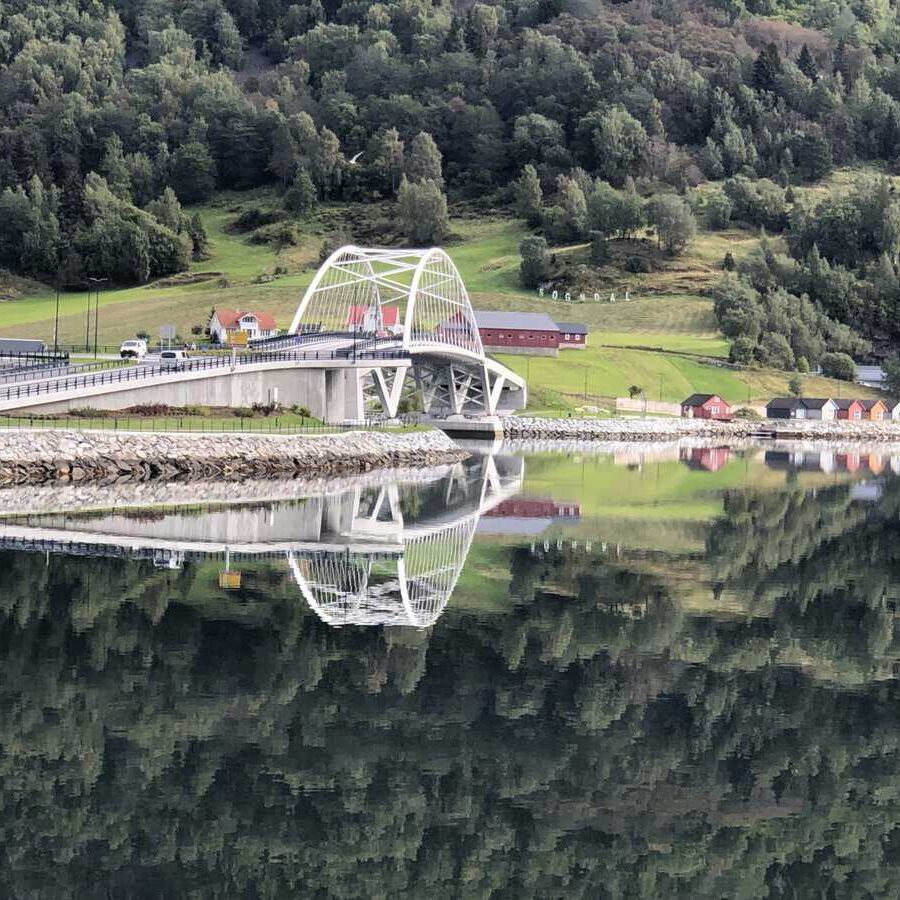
x=572 y=335
x=849 y=409
x=515 y=332
x=705 y=406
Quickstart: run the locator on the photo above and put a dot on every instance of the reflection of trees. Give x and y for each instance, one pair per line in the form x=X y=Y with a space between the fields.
x=164 y=739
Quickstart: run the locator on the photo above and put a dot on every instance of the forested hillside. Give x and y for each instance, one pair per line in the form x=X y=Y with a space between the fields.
x=594 y=119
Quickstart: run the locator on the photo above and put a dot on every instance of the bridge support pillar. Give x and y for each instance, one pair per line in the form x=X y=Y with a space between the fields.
x=344 y=395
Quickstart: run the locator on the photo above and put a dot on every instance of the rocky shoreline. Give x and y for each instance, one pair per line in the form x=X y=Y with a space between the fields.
x=636 y=430
x=36 y=456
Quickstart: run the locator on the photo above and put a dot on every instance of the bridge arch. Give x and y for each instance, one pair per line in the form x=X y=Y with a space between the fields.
x=416 y=296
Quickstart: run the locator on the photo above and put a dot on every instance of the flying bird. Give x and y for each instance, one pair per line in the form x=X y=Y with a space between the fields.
x=354 y=158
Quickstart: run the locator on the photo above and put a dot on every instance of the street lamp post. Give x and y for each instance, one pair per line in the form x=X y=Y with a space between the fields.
x=96 y=282
x=87 y=326
x=56 y=320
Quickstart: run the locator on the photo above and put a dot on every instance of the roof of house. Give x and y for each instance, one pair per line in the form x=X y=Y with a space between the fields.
x=783 y=403
x=572 y=327
x=700 y=399
x=846 y=402
x=230 y=318
x=390 y=315
x=514 y=321
x=869 y=404
x=816 y=402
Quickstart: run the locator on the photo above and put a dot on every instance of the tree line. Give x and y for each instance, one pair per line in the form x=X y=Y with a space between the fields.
x=328 y=101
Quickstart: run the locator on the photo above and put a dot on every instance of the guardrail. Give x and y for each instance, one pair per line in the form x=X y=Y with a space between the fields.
x=34 y=374
x=189 y=424
x=47 y=356
x=144 y=372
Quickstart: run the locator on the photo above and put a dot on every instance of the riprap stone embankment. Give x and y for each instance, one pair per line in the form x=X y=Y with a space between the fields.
x=38 y=455
x=520 y=427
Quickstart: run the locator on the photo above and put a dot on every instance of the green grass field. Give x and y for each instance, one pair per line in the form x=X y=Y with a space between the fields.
x=596 y=374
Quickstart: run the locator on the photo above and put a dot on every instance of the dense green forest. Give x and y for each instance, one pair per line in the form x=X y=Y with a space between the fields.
x=595 y=739
x=591 y=119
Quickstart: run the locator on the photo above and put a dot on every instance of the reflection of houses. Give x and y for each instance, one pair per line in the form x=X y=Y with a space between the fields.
x=830 y=461
x=527 y=515
x=707 y=459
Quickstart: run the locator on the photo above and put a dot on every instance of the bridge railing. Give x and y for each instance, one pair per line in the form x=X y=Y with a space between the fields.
x=14 y=376
x=122 y=375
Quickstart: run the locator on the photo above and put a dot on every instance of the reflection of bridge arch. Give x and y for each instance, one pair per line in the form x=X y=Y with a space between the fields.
x=412 y=585
x=383 y=553
x=416 y=301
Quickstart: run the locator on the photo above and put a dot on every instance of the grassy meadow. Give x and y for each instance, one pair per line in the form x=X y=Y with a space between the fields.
x=663 y=339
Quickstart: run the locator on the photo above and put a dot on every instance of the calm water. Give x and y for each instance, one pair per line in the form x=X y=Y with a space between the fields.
x=646 y=672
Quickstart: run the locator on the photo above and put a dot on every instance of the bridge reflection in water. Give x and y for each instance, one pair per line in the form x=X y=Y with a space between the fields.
x=387 y=553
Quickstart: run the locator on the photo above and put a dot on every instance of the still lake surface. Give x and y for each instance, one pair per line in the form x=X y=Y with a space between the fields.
x=631 y=671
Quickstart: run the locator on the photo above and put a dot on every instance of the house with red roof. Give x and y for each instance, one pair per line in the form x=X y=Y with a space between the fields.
x=226 y=323
x=374 y=319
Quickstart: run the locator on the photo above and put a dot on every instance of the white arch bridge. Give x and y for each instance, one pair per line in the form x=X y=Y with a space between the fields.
x=375 y=326
x=373 y=300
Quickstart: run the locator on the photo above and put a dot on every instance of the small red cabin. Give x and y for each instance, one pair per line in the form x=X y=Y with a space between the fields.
x=850 y=409
x=705 y=406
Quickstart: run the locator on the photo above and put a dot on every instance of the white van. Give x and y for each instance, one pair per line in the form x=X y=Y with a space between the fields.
x=172 y=359
x=133 y=349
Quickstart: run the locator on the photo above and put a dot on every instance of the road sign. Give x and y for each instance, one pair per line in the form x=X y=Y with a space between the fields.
x=168 y=332
x=238 y=338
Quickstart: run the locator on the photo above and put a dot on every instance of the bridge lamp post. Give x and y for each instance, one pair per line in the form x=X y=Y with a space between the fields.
x=96 y=282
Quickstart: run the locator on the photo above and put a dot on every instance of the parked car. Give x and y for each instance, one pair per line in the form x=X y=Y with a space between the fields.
x=133 y=349
x=172 y=359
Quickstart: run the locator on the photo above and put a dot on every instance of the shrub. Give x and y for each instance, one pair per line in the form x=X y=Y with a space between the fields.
x=256 y=217
x=718 y=211
x=728 y=263
x=637 y=264
x=242 y=412
x=839 y=365
x=746 y=413
x=535 y=264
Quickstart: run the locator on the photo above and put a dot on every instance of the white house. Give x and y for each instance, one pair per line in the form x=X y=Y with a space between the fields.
x=895 y=411
x=818 y=408
x=225 y=323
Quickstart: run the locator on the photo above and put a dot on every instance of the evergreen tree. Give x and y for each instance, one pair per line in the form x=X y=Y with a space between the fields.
x=423 y=162
x=767 y=68
x=423 y=211
x=199 y=238
x=529 y=196
x=114 y=168
x=284 y=157
x=807 y=64
x=301 y=196
x=535 y=265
